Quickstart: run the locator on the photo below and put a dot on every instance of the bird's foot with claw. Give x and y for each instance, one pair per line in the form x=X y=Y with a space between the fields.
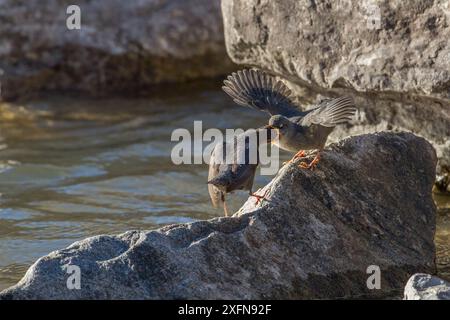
x=312 y=165
x=260 y=198
x=298 y=155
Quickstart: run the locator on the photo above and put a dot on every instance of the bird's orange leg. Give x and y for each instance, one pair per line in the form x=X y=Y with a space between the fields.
x=260 y=198
x=312 y=164
x=299 y=154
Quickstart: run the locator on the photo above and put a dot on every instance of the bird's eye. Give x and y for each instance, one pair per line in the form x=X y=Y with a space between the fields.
x=281 y=126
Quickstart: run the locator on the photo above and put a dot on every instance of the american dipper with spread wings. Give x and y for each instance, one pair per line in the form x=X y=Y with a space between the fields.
x=297 y=130
x=233 y=164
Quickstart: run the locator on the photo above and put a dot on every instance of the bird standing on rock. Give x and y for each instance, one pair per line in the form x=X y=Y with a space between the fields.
x=297 y=130
x=233 y=165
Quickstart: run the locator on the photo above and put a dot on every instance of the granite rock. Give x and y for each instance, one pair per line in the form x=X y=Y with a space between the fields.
x=426 y=287
x=314 y=237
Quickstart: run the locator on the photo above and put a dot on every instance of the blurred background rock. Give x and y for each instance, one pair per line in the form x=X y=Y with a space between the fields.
x=123 y=47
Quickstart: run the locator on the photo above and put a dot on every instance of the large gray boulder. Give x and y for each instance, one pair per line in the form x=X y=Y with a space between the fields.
x=122 y=46
x=392 y=56
x=368 y=203
x=423 y=286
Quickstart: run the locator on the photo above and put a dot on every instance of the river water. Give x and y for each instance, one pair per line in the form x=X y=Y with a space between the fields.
x=72 y=168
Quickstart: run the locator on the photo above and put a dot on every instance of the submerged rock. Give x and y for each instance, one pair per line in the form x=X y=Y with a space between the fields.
x=122 y=46
x=393 y=57
x=368 y=203
x=426 y=287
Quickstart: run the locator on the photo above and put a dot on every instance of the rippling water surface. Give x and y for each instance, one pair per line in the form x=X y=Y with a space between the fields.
x=72 y=168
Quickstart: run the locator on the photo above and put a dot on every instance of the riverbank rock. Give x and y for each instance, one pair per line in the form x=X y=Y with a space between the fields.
x=393 y=57
x=368 y=203
x=123 y=47
x=426 y=287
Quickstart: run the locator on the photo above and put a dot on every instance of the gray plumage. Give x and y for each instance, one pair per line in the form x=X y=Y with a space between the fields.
x=297 y=130
x=233 y=165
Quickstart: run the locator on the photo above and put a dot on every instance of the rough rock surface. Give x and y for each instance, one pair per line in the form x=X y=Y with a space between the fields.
x=122 y=46
x=426 y=287
x=314 y=238
x=392 y=56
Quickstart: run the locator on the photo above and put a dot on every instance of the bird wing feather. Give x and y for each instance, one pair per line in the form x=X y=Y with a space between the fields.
x=330 y=113
x=234 y=175
x=258 y=90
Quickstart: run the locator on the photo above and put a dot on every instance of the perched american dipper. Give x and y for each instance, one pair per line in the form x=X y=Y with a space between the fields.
x=297 y=130
x=233 y=164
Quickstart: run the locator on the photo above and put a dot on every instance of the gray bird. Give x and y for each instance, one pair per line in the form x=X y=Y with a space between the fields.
x=297 y=130
x=233 y=164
